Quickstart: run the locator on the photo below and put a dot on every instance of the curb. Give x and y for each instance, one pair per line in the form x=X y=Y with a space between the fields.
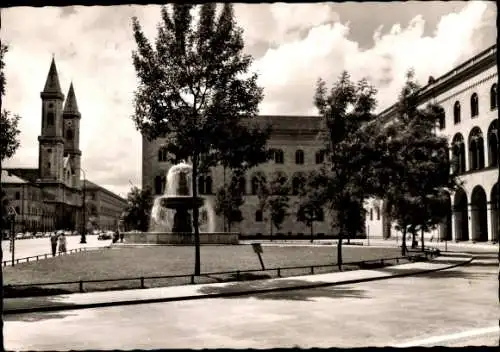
x=64 y=307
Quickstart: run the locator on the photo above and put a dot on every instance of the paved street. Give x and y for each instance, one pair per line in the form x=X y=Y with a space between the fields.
x=454 y=307
x=37 y=246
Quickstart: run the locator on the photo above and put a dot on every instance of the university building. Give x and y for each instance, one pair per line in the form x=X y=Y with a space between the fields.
x=468 y=95
x=51 y=196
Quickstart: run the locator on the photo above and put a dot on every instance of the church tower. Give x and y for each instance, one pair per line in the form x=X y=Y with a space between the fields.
x=51 y=141
x=71 y=132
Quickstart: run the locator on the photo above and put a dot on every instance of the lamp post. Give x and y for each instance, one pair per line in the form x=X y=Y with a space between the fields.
x=83 y=239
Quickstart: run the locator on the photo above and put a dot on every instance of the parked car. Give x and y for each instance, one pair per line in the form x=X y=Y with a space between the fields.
x=28 y=235
x=105 y=235
x=19 y=236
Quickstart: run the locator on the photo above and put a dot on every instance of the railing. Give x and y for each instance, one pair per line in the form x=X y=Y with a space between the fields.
x=38 y=257
x=237 y=274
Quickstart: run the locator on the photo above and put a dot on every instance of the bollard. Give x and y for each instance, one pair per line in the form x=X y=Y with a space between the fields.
x=279 y=272
x=312 y=270
x=81 y=286
x=142 y=282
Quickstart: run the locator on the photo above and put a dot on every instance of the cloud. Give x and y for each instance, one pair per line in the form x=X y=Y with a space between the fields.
x=289 y=72
x=293 y=45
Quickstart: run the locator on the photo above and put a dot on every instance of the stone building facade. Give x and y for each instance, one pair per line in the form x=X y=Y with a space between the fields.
x=50 y=196
x=468 y=95
x=104 y=208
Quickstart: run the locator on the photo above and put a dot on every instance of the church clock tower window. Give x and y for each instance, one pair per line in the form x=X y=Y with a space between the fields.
x=69 y=135
x=50 y=118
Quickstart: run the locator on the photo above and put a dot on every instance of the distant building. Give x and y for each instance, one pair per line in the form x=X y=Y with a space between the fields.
x=50 y=197
x=469 y=96
x=104 y=208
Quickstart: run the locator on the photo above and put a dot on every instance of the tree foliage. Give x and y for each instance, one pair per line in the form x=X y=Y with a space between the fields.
x=138 y=210
x=278 y=200
x=310 y=204
x=344 y=180
x=416 y=165
x=195 y=90
x=229 y=198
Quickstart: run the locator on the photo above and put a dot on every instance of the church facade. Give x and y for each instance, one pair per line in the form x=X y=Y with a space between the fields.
x=51 y=196
x=468 y=95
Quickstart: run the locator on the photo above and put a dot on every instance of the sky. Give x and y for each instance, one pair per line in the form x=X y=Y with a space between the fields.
x=292 y=45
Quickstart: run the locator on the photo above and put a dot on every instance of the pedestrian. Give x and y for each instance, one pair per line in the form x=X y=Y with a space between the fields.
x=62 y=243
x=121 y=235
x=53 y=243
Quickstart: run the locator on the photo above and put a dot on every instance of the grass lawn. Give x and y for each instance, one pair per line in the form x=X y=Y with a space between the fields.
x=132 y=262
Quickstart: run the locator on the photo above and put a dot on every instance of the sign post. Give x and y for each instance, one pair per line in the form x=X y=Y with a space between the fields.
x=11 y=213
x=257 y=248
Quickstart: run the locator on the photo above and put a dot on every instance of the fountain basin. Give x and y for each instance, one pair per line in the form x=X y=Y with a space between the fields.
x=180 y=238
x=181 y=202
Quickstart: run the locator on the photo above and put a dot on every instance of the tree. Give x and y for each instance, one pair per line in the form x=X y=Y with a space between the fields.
x=309 y=205
x=229 y=199
x=138 y=210
x=9 y=143
x=195 y=91
x=344 y=179
x=417 y=165
x=277 y=202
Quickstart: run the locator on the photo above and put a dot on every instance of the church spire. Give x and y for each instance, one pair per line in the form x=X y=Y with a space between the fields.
x=52 y=84
x=71 y=107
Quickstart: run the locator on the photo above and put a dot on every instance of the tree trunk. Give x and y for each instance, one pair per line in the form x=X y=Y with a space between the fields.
x=1 y=261
x=194 y=177
x=312 y=231
x=224 y=218
x=422 y=239
x=271 y=230
x=403 y=242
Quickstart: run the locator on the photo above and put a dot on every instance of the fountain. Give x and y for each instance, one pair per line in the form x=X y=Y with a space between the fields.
x=171 y=215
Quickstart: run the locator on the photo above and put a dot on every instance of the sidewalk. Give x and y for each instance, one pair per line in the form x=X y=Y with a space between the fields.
x=201 y=291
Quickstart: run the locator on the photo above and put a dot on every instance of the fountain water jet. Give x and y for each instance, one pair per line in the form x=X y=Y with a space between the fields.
x=171 y=215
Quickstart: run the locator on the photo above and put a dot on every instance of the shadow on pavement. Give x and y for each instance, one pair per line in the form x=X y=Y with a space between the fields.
x=31 y=291
x=442 y=274
x=34 y=317
x=286 y=290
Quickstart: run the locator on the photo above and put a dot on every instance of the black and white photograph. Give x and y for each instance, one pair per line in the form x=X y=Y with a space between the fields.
x=249 y=175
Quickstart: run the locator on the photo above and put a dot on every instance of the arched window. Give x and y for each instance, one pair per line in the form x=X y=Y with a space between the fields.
x=320 y=157
x=299 y=157
x=493 y=97
x=441 y=119
x=162 y=154
x=476 y=149
x=50 y=118
x=458 y=150
x=493 y=143
x=278 y=156
x=69 y=135
x=456 y=113
x=258 y=216
x=474 y=105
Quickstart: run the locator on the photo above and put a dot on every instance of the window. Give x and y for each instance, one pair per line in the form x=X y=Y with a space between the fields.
x=18 y=195
x=278 y=156
x=50 y=118
x=474 y=105
x=48 y=166
x=69 y=135
x=49 y=150
x=18 y=210
x=442 y=119
x=458 y=150
x=258 y=216
x=299 y=157
x=476 y=149
x=162 y=155
x=256 y=180
x=320 y=157
x=456 y=113
x=493 y=144
x=297 y=185
x=240 y=182
x=377 y=211
x=493 y=97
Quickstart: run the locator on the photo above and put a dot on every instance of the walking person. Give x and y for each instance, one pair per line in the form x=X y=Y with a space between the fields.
x=53 y=243
x=62 y=243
